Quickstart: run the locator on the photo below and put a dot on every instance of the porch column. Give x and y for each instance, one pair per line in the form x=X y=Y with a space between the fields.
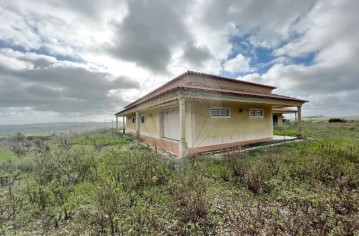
x=123 y=124
x=299 y=123
x=137 y=124
x=182 y=116
x=280 y=120
x=116 y=122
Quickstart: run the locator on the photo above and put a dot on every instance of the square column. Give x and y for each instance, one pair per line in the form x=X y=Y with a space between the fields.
x=137 y=124
x=182 y=116
x=299 y=123
x=116 y=122
x=123 y=124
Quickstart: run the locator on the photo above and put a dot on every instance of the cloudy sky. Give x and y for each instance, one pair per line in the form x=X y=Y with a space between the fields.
x=84 y=60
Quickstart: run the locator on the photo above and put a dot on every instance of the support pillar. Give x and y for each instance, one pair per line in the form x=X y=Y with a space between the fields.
x=299 y=123
x=116 y=122
x=137 y=124
x=182 y=116
x=280 y=120
x=123 y=125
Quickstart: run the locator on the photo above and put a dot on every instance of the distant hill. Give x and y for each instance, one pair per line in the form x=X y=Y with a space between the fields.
x=350 y=117
x=58 y=127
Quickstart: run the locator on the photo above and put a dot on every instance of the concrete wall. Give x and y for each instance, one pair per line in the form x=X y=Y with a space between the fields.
x=130 y=127
x=239 y=127
x=151 y=127
x=202 y=130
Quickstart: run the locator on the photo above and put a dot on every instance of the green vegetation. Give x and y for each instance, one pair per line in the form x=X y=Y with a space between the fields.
x=335 y=120
x=285 y=131
x=106 y=183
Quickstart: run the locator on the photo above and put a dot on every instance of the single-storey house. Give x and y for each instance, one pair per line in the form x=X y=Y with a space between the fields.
x=197 y=112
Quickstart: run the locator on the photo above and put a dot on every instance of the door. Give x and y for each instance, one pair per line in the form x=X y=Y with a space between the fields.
x=171 y=124
x=275 y=120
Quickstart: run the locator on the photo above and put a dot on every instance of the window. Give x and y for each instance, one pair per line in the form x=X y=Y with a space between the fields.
x=256 y=112
x=220 y=112
x=142 y=119
x=133 y=120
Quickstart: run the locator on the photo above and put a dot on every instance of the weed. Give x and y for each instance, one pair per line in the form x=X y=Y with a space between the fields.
x=104 y=183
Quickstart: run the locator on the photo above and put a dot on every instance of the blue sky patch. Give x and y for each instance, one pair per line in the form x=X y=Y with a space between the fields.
x=261 y=58
x=305 y=60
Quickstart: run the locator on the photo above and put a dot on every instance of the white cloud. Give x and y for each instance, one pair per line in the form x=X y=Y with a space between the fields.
x=238 y=64
x=330 y=22
x=123 y=49
x=60 y=86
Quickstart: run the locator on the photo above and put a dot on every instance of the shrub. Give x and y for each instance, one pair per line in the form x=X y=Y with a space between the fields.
x=18 y=149
x=253 y=172
x=136 y=170
x=74 y=165
x=108 y=202
x=336 y=120
x=25 y=164
x=188 y=190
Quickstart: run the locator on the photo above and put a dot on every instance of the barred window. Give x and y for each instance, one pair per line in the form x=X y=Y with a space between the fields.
x=220 y=112
x=256 y=112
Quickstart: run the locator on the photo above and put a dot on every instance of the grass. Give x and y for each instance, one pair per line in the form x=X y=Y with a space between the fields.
x=287 y=129
x=103 y=139
x=105 y=183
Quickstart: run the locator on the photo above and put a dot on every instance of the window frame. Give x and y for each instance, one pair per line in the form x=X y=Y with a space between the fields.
x=256 y=116
x=133 y=119
x=219 y=116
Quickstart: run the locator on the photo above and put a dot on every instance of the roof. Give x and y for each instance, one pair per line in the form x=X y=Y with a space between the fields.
x=236 y=92
x=229 y=79
x=202 y=89
x=216 y=77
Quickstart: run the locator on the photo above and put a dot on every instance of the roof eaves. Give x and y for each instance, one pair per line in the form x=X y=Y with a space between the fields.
x=149 y=98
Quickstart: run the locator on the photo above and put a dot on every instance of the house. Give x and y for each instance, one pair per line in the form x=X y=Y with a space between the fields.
x=197 y=112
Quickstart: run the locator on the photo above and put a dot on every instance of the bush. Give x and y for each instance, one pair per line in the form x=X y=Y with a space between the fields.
x=108 y=203
x=135 y=170
x=336 y=120
x=188 y=190
x=253 y=172
x=306 y=188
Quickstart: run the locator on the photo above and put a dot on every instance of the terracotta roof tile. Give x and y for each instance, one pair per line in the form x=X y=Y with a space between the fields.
x=198 y=74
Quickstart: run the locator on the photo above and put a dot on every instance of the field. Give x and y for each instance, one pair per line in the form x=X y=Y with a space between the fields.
x=106 y=183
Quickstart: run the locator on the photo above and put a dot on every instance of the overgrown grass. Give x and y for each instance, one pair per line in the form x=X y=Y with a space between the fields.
x=106 y=183
x=101 y=139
